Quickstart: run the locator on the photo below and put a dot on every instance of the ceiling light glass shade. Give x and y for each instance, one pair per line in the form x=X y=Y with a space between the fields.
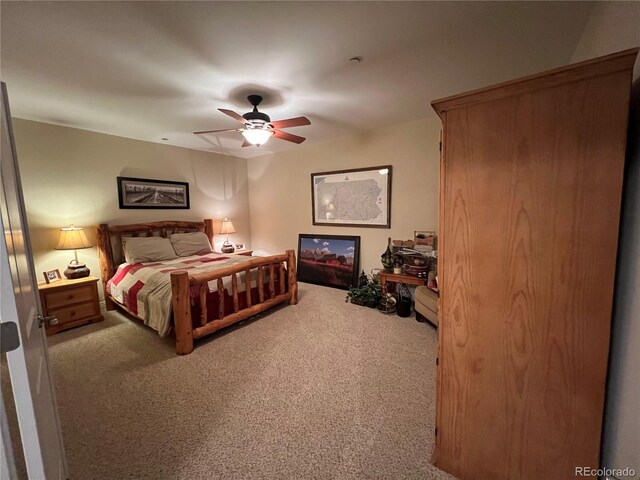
x=257 y=136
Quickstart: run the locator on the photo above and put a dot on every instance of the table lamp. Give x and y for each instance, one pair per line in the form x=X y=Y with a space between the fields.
x=227 y=227
x=73 y=238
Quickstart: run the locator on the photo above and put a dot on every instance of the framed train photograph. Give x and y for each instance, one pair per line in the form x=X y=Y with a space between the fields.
x=147 y=193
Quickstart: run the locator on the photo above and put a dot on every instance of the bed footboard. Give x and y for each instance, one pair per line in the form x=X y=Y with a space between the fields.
x=182 y=284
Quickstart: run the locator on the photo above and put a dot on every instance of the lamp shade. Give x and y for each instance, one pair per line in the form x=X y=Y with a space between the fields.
x=227 y=227
x=72 y=238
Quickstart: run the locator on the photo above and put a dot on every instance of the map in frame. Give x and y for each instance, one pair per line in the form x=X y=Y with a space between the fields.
x=353 y=198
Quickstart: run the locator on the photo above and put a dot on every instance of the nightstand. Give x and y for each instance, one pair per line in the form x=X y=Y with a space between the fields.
x=72 y=302
x=246 y=253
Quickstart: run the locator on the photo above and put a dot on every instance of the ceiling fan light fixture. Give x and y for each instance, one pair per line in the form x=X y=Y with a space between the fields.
x=257 y=136
x=257 y=127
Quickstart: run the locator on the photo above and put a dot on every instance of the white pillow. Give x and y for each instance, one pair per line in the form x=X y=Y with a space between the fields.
x=187 y=244
x=147 y=249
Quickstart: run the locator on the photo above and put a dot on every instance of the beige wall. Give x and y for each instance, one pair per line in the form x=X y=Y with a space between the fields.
x=612 y=27
x=615 y=26
x=69 y=176
x=280 y=187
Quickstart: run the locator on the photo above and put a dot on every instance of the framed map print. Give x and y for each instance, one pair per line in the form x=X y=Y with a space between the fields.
x=360 y=197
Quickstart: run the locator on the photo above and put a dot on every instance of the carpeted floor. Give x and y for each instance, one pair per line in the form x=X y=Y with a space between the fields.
x=323 y=389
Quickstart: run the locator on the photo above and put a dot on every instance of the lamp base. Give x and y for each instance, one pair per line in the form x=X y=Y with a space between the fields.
x=76 y=270
x=227 y=248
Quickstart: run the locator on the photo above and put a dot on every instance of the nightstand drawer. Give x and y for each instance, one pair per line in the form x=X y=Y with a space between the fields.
x=75 y=312
x=65 y=297
x=73 y=302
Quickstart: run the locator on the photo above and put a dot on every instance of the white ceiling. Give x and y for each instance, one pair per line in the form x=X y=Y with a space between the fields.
x=148 y=70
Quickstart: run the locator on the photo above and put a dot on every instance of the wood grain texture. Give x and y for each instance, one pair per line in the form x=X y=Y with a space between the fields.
x=72 y=302
x=220 y=298
x=260 y=284
x=272 y=281
x=245 y=253
x=105 y=259
x=203 y=303
x=181 y=302
x=208 y=230
x=390 y=277
x=251 y=262
x=234 y=293
x=69 y=295
x=243 y=314
x=616 y=62
x=293 y=277
x=283 y=285
x=247 y=286
x=137 y=228
x=441 y=280
x=530 y=203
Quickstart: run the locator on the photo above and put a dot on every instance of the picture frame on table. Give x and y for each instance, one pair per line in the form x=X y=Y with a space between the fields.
x=146 y=193
x=52 y=276
x=358 y=197
x=329 y=260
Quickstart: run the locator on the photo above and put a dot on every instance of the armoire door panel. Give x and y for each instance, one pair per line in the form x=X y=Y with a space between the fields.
x=530 y=196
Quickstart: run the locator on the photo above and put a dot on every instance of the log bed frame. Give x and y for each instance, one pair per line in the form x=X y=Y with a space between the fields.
x=182 y=283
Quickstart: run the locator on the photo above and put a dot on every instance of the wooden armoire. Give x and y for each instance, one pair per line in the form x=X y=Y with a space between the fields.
x=530 y=189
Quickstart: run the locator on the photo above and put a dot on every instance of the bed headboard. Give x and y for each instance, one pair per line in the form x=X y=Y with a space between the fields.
x=110 y=239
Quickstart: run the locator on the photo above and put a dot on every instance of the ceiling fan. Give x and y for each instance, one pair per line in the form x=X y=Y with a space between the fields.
x=258 y=127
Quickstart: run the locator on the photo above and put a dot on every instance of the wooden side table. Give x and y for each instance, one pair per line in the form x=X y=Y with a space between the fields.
x=246 y=253
x=390 y=277
x=72 y=302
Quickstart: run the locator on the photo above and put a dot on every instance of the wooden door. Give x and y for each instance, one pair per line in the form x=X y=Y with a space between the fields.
x=28 y=364
x=531 y=195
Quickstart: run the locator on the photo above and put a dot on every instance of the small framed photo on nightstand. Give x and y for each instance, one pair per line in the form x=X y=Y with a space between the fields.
x=240 y=247
x=52 y=276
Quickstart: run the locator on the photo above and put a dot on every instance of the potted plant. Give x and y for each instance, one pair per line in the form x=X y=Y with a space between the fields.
x=366 y=293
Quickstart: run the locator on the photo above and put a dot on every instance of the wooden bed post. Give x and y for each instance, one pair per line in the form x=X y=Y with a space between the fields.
x=181 y=301
x=105 y=256
x=293 y=281
x=208 y=230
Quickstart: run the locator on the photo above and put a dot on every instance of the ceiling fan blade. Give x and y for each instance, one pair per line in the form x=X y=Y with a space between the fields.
x=233 y=115
x=288 y=137
x=291 y=122
x=217 y=131
x=246 y=144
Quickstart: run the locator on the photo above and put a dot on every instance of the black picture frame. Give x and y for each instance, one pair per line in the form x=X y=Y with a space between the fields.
x=370 y=174
x=327 y=268
x=179 y=191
